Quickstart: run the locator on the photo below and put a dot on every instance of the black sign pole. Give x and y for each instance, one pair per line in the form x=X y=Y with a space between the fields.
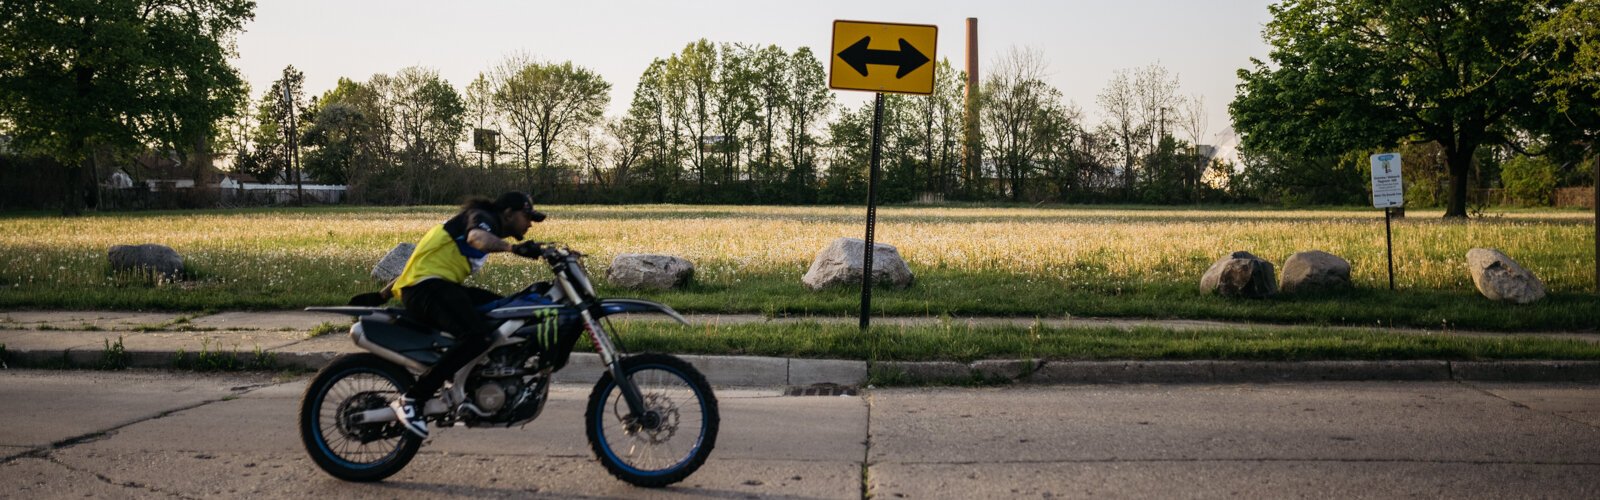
x=872 y=213
x=1388 y=238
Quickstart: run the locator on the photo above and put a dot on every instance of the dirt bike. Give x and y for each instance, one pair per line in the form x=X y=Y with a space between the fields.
x=640 y=406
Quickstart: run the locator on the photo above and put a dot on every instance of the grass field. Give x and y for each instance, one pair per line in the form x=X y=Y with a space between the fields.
x=1047 y=262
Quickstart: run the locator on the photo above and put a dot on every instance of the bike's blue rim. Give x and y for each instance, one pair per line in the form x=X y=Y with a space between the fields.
x=605 y=444
x=322 y=441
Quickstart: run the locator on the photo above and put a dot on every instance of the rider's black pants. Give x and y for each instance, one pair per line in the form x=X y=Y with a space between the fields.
x=453 y=308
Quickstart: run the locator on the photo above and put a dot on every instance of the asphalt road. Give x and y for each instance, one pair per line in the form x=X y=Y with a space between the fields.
x=146 y=434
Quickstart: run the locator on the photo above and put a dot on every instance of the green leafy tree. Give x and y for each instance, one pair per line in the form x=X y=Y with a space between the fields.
x=1528 y=181
x=121 y=74
x=938 y=118
x=850 y=144
x=1022 y=114
x=770 y=72
x=691 y=80
x=348 y=137
x=809 y=103
x=544 y=102
x=480 y=108
x=429 y=119
x=334 y=141
x=1356 y=74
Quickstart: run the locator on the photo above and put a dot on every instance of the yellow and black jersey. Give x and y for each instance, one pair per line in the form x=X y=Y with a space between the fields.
x=444 y=252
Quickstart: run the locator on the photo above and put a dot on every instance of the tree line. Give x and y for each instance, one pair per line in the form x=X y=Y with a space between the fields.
x=731 y=123
x=1476 y=93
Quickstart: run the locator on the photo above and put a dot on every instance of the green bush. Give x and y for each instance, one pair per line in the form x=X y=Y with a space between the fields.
x=1529 y=181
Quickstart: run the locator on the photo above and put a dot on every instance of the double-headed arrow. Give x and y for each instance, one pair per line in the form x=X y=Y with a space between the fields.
x=858 y=56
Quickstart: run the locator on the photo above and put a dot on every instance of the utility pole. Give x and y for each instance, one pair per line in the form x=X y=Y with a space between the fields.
x=294 y=150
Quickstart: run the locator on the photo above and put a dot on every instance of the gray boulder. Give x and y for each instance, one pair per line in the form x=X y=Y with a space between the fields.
x=1315 y=271
x=147 y=258
x=392 y=264
x=840 y=264
x=660 y=272
x=1500 y=278
x=1240 y=274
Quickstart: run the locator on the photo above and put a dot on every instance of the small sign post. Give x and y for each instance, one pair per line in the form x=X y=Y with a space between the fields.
x=1387 y=193
x=880 y=57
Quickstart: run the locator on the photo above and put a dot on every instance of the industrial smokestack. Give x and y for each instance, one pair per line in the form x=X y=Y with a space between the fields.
x=972 y=145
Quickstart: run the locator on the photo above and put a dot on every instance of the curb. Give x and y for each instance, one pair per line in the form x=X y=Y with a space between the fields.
x=752 y=371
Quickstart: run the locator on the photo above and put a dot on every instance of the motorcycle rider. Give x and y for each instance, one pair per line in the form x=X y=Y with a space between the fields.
x=431 y=287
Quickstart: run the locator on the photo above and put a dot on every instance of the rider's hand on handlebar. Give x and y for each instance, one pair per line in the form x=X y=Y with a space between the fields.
x=529 y=249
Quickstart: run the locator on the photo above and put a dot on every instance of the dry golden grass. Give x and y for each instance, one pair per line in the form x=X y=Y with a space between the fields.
x=282 y=249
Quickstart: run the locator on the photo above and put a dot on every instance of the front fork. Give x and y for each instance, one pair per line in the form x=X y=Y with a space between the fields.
x=613 y=364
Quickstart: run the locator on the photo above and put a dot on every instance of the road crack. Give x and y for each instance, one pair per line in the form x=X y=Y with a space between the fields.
x=866 y=454
x=1519 y=404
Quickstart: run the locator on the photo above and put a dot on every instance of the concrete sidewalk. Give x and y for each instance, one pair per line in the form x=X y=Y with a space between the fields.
x=281 y=340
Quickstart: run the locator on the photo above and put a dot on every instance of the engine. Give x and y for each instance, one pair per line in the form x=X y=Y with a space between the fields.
x=491 y=395
x=504 y=392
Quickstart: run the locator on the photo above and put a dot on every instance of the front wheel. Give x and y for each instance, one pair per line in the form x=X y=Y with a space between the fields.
x=672 y=438
x=341 y=446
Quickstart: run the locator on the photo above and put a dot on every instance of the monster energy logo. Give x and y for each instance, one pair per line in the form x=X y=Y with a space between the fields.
x=545 y=330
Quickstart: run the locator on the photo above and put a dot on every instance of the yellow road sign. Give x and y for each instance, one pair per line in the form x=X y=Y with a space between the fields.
x=883 y=57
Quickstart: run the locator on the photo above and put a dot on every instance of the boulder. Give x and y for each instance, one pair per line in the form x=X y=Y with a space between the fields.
x=1500 y=278
x=392 y=264
x=1240 y=274
x=660 y=272
x=1315 y=271
x=147 y=258
x=840 y=264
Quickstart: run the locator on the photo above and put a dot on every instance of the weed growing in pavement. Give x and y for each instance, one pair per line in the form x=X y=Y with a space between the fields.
x=114 y=356
x=210 y=359
x=325 y=328
x=207 y=359
x=262 y=360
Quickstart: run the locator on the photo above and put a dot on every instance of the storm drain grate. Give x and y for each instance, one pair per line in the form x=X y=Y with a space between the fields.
x=821 y=390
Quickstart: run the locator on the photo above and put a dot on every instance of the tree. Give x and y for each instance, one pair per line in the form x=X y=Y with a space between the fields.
x=270 y=160
x=1575 y=86
x=1156 y=93
x=337 y=136
x=691 y=78
x=542 y=102
x=733 y=103
x=288 y=108
x=809 y=103
x=429 y=121
x=1020 y=112
x=1356 y=74
x=124 y=74
x=938 y=129
x=480 y=106
x=1192 y=121
x=1119 y=100
x=771 y=74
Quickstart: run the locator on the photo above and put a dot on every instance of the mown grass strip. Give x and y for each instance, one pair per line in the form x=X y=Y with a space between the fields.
x=967 y=343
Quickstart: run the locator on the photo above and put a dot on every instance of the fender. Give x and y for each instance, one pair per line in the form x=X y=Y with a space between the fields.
x=610 y=307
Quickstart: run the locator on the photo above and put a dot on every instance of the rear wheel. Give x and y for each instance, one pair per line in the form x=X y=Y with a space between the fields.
x=674 y=436
x=342 y=447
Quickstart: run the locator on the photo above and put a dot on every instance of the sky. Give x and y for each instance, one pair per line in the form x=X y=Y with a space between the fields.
x=1082 y=42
